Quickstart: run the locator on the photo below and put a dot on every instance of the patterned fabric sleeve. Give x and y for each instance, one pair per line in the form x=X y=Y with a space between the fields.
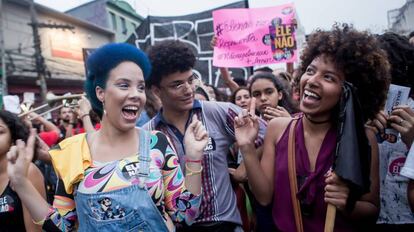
x=180 y=204
x=64 y=215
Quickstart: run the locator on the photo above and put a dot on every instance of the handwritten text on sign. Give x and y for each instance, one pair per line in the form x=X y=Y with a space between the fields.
x=248 y=37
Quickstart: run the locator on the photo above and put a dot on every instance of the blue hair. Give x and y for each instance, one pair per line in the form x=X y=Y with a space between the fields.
x=106 y=58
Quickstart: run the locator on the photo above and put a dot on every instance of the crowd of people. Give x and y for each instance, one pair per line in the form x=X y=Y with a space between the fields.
x=153 y=148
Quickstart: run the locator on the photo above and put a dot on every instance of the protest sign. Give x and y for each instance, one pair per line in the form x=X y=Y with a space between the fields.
x=11 y=103
x=196 y=30
x=248 y=37
x=397 y=95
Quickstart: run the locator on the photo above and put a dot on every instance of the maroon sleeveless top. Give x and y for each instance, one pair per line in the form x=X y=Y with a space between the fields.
x=310 y=184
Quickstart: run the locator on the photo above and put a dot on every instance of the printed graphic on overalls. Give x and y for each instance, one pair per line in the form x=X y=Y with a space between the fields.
x=131 y=171
x=104 y=209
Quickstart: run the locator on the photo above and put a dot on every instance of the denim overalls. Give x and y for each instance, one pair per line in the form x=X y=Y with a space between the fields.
x=126 y=209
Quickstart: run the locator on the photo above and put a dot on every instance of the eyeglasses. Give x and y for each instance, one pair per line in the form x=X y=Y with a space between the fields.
x=178 y=86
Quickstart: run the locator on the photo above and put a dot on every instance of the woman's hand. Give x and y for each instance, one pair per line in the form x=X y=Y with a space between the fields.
x=246 y=125
x=336 y=191
x=195 y=139
x=402 y=120
x=270 y=113
x=83 y=108
x=19 y=158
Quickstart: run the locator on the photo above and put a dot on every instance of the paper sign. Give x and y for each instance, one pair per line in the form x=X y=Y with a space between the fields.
x=11 y=103
x=397 y=95
x=28 y=97
x=248 y=37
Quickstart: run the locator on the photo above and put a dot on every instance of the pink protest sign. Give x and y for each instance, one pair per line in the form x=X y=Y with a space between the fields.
x=247 y=37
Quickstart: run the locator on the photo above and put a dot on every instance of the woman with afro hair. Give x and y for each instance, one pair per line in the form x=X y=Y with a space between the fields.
x=332 y=62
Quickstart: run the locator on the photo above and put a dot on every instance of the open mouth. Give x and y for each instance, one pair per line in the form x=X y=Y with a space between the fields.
x=312 y=96
x=130 y=112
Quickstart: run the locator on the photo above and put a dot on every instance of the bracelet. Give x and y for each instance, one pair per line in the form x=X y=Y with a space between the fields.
x=81 y=117
x=192 y=172
x=41 y=222
x=193 y=161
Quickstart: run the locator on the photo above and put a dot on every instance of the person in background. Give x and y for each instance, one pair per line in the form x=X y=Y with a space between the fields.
x=241 y=97
x=14 y=215
x=272 y=99
x=395 y=213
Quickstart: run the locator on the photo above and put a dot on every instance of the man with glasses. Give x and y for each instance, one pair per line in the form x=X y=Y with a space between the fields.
x=174 y=81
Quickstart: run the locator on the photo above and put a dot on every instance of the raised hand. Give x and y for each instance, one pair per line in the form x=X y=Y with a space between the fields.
x=270 y=113
x=84 y=107
x=195 y=139
x=246 y=125
x=19 y=158
x=402 y=120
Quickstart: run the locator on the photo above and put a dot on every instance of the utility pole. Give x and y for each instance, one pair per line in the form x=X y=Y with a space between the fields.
x=40 y=61
x=3 y=83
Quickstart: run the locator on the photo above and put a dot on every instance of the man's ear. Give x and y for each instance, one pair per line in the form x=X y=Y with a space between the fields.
x=156 y=90
x=100 y=93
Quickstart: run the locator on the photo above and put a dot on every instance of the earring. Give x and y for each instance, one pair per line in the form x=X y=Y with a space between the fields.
x=103 y=106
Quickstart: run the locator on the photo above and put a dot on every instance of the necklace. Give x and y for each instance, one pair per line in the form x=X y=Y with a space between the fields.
x=316 y=122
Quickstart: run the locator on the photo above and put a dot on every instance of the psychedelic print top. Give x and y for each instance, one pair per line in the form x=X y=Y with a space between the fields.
x=165 y=185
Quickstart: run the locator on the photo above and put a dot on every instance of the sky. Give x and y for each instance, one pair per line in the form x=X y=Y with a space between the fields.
x=363 y=14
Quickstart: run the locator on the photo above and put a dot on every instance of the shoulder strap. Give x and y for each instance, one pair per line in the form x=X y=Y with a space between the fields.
x=292 y=176
x=144 y=156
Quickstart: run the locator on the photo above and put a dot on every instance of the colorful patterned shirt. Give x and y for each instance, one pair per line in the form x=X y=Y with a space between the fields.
x=165 y=185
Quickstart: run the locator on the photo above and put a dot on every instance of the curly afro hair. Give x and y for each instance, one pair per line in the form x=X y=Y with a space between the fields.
x=168 y=57
x=359 y=57
x=401 y=57
x=16 y=127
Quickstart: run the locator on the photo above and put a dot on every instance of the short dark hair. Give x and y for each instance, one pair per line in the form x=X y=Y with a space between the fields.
x=359 y=57
x=168 y=57
x=263 y=69
x=411 y=35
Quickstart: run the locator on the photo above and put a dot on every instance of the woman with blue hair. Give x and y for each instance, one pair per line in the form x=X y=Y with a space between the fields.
x=119 y=177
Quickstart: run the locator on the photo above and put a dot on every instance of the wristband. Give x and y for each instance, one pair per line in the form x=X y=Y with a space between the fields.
x=193 y=161
x=190 y=172
x=41 y=222
x=81 y=117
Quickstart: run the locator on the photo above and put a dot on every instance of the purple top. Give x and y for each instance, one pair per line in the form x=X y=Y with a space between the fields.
x=311 y=184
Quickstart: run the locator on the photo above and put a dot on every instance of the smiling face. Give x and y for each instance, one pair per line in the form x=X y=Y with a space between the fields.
x=5 y=138
x=176 y=91
x=265 y=93
x=242 y=99
x=321 y=88
x=124 y=95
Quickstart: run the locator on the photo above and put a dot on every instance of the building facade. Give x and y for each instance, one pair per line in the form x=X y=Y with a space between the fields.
x=62 y=49
x=401 y=20
x=115 y=15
